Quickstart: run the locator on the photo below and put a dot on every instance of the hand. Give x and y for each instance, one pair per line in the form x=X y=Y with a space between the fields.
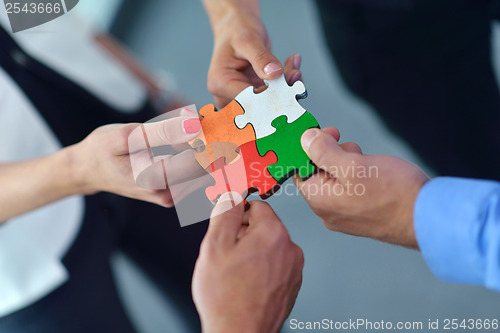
x=362 y=195
x=115 y=158
x=242 y=56
x=249 y=272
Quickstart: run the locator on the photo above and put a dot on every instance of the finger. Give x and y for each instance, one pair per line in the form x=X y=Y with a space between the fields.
x=292 y=69
x=293 y=76
x=226 y=219
x=261 y=213
x=181 y=191
x=317 y=185
x=165 y=171
x=293 y=62
x=351 y=147
x=333 y=132
x=324 y=150
x=264 y=63
x=188 y=112
x=159 y=197
x=220 y=102
x=226 y=84
x=166 y=132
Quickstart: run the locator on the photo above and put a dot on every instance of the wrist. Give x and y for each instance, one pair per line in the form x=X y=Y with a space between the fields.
x=76 y=171
x=407 y=235
x=221 y=11
x=224 y=321
x=232 y=325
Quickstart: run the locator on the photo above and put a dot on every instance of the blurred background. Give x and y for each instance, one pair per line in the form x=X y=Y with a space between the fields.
x=345 y=277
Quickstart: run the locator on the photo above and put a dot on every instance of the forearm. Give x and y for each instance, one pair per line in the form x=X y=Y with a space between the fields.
x=219 y=10
x=34 y=183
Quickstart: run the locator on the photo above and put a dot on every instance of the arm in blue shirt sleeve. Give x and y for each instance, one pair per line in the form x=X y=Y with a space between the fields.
x=457 y=223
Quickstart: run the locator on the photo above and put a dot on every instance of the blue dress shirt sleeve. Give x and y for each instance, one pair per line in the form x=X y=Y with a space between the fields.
x=457 y=224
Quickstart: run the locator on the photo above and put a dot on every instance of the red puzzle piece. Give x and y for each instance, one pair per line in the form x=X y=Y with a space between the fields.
x=257 y=173
x=245 y=175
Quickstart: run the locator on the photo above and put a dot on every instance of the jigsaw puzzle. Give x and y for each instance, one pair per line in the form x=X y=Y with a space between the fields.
x=253 y=144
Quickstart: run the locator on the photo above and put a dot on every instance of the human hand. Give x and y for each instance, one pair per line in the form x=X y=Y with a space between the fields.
x=103 y=160
x=242 y=55
x=363 y=195
x=249 y=272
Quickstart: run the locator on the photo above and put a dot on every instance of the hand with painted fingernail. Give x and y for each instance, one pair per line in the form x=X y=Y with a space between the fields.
x=242 y=55
x=249 y=272
x=363 y=195
x=119 y=158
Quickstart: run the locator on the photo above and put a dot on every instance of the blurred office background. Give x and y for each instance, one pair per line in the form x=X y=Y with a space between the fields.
x=344 y=277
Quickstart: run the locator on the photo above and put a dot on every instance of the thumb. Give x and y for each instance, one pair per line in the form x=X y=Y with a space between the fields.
x=324 y=151
x=226 y=219
x=263 y=62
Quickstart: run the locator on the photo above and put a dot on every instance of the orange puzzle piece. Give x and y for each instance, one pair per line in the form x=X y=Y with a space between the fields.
x=218 y=127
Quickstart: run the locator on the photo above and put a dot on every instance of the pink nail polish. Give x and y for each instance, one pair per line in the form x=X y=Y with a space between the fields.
x=191 y=126
x=271 y=68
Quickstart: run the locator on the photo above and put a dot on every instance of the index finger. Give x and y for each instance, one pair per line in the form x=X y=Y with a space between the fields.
x=166 y=132
x=261 y=213
x=252 y=48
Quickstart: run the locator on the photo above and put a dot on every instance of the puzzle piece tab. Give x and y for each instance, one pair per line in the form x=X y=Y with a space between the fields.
x=285 y=142
x=247 y=174
x=279 y=99
x=206 y=156
x=218 y=128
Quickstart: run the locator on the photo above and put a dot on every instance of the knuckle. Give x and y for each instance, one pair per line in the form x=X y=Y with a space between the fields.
x=279 y=233
x=247 y=35
x=330 y=225
x=355 y=160
x=166 y=200
x=258 y=205
x=262 y=56
x=164 y=134
x=299 y=256
x=212 y=82
x=123 y=134
x=321 y=160
x=207 y=248
x=215 y=83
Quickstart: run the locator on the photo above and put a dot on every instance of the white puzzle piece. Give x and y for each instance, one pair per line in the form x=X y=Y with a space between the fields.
x=277 y=100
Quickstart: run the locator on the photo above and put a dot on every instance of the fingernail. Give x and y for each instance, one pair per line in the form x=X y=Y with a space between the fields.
x=191 y=126
x=308 y=137
x=297 y=59
x=271 y=68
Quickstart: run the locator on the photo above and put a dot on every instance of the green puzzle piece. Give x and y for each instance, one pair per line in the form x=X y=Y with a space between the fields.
x=285 y=142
